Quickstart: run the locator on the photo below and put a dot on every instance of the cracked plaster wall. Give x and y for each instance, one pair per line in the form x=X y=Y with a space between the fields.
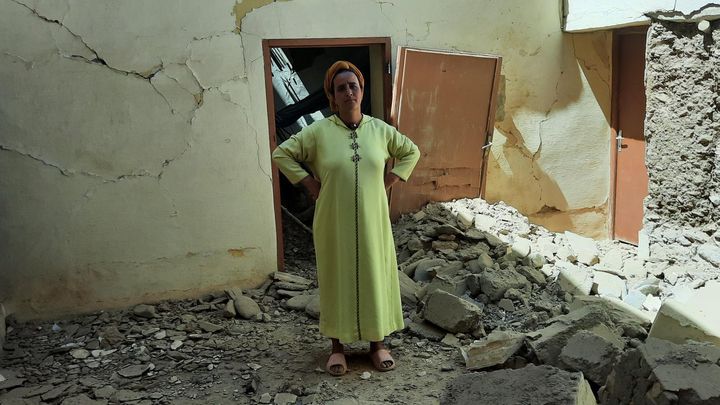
x=131 y=169
x=550 y=157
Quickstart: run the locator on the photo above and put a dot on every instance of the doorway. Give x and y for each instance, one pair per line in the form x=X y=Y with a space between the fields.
x=629 y=177
x=294 y=74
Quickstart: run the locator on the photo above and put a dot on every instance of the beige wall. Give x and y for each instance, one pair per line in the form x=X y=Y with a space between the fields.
x=550 y=157
x=132 y=181
x=146 y=176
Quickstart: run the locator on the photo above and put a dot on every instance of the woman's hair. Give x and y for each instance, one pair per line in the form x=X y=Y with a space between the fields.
x=337 y=68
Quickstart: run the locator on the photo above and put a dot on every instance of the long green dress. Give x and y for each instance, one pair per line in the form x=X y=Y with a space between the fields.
x=355 y=252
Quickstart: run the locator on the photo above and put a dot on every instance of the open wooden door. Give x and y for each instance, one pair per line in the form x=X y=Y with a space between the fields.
x=444 y=102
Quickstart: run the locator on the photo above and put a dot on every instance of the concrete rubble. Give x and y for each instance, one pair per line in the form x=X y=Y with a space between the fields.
x=531 y=385
x=528 y=307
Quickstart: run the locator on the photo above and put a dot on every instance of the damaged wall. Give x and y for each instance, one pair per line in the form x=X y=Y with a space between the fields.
x=550 y=157
x=134 y=144
x=131 y=171
x=682 y=127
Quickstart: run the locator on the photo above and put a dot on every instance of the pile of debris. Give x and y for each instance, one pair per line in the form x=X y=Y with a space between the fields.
x=530 y=315
x=557 y=300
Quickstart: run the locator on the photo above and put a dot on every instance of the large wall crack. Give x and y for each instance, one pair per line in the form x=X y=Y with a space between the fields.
x=678 y=15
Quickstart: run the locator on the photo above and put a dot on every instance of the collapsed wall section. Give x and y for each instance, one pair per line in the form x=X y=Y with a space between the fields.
x=682 y=129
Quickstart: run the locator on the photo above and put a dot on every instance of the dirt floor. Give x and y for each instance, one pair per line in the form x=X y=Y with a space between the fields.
x=242 y=362
x=477 y=269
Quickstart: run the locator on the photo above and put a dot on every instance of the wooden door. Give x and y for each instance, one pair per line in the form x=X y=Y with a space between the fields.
x=445 y=103
x=631 y=178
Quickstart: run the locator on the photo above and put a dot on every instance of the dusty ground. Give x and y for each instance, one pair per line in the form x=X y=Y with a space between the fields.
x=239 y=363
x=197 y=351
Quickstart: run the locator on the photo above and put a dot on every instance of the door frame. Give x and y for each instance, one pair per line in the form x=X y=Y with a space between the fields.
x=614 y=116
x=384 y=43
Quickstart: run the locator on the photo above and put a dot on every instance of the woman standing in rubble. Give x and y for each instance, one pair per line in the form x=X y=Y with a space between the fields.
x=355 y=252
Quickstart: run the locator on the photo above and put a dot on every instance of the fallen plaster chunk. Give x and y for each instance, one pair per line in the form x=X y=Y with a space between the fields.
x=661 y=372
x=634 y=268
x=611 y=262
x=609 y=285
x=531 y=385
x=695 y=316
x=574 y=279
x=585 y=249
x=493 y=350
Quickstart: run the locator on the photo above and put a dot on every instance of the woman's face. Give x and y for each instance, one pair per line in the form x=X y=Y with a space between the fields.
x=347 y=92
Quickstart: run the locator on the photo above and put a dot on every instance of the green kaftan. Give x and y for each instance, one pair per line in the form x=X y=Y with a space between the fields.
x=355 y=252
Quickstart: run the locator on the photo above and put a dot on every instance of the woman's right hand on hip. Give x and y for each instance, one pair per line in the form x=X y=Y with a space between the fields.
x=312 y=186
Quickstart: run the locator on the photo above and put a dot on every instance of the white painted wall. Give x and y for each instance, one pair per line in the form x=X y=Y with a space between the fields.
x=147 y=176
x=116 y=188
x=589 y=15
x=551 y=153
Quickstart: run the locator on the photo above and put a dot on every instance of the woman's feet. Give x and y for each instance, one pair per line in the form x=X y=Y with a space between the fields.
x=380 y=356
x=336 y=364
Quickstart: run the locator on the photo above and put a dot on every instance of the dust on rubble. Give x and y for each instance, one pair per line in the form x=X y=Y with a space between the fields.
x=484 y=293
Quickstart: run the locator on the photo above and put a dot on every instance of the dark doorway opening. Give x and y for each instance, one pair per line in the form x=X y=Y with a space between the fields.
x=294 y=75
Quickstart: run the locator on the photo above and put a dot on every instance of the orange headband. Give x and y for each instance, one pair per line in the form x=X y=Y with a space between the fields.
x=330 y=75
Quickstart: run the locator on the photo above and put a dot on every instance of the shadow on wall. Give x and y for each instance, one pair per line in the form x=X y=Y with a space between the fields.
x=517 y=159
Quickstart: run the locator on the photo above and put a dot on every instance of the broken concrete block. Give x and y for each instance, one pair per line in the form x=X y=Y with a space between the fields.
x=547 y=343
x=145 y=311
x=547 y=248
x=711 y=253
x=585 y=249
x=453 y=285
x=451 y=340
x=246 y=307
x=291 y=278
x=634 y=268
x=612 y=261
x=421 y=268
x=506 y=304
x=635 y=299
x=652 y=303
x=493 y=350
x=485 y=223
x=444 y=245
x=408 y=289
x=465 y=219
x=520 y=248
x=229 y=311
x=592 y=353
x=493 y=240
x=427 y=331
x=533 y=275
x=573 y=279
x=530 y=385
x=564 y=253
x=661 y=372
x=494 y=282
x=609 y=285
x=313 y=307
x=633 y=322
x=692 y=316
x=452 y=313
x=9 y=379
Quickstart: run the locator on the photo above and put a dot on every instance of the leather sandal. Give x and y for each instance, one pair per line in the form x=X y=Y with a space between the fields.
x=336 y=359
x=381 y=356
